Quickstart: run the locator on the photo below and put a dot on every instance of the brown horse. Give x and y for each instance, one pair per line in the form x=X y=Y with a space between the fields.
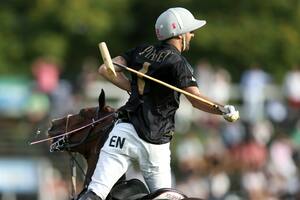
x=89 y=130
x=86 y=133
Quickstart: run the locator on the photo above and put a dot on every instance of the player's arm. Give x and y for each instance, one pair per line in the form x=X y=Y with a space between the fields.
x=230 y=113
x=120 y=80
x=200 y=104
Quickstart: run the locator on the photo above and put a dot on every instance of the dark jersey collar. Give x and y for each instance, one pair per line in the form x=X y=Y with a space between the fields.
x=165 y=44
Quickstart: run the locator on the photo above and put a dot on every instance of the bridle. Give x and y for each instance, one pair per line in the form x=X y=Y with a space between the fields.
x=63 y=143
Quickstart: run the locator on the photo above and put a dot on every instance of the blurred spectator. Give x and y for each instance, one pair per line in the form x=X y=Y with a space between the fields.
x=62 y=101
x=87 y=75
x=276 y=111
x=220 y=86
x=248 y=155
x=189 y=152
x=214 y=150
x=253 y=85
x=233 y=134
x=220 y=185
x=59 y=91
x=194 y=186
x=296 y=135
x=204 y=75
x=56 y=185
x=37 y=107
x=262 y=132
x=255 y=185
x=283 y=171
x=291 y=87
x=216 y=84
x=46 y=74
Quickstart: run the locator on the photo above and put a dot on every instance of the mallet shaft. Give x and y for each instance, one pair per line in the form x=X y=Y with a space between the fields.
x=170 y=86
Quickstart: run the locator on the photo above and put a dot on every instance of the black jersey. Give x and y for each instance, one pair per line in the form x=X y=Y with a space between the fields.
x=151 y=107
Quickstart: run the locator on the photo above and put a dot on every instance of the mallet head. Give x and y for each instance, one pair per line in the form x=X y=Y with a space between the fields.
x=107 y=59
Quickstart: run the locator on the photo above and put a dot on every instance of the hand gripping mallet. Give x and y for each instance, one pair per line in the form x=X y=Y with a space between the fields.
x=111 y=70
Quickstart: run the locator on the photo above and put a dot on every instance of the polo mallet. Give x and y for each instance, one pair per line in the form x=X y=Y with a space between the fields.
x=111 y=70
x=107 y=59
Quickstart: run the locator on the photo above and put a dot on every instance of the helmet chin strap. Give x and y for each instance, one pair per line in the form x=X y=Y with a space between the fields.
x=183 y=42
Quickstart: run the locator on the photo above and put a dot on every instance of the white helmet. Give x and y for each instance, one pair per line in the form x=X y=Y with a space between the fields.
x=176 y=21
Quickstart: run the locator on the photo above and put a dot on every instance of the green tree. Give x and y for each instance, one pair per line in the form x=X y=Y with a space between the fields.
x=237 y=34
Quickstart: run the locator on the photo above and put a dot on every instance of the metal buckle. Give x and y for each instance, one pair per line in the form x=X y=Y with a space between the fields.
x=58 y=145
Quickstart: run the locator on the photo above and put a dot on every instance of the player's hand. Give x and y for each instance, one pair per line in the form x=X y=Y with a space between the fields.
x=231 y=114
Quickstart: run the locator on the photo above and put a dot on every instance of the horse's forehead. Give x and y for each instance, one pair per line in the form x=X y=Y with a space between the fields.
x=85 y=113
x=58 y=121
x=89 y=112
x=62 y=120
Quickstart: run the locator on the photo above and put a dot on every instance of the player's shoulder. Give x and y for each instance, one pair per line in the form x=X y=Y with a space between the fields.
x=143 y=46
x=183 y=64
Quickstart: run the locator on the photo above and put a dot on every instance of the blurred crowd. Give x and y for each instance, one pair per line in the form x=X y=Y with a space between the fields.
x=256 y=158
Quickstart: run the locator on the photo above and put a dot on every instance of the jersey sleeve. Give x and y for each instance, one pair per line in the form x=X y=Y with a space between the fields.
x=183 y=73
x=128 y=56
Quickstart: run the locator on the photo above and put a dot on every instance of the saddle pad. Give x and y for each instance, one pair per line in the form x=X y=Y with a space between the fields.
x=128 y=190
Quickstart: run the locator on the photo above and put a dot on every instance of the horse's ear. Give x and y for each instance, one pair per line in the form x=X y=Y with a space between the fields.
x=101 y=99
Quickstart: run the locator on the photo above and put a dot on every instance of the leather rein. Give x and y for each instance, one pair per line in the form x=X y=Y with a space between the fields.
x=64 y=143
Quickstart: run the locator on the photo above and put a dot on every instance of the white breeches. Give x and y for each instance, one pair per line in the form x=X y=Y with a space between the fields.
x=121 y=148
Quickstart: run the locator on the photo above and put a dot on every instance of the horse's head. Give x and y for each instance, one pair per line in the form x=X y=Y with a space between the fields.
x=76 y=132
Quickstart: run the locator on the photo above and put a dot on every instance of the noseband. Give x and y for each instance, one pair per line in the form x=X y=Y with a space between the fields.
x=64 y=143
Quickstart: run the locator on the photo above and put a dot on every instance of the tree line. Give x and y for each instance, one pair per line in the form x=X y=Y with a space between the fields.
x=237 y=35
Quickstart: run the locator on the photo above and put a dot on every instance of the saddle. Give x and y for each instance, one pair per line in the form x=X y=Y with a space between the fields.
x=134 y=189
x=128 y=189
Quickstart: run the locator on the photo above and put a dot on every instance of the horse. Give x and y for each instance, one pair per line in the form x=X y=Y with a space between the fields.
x=93 y=125
x=86 y=133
